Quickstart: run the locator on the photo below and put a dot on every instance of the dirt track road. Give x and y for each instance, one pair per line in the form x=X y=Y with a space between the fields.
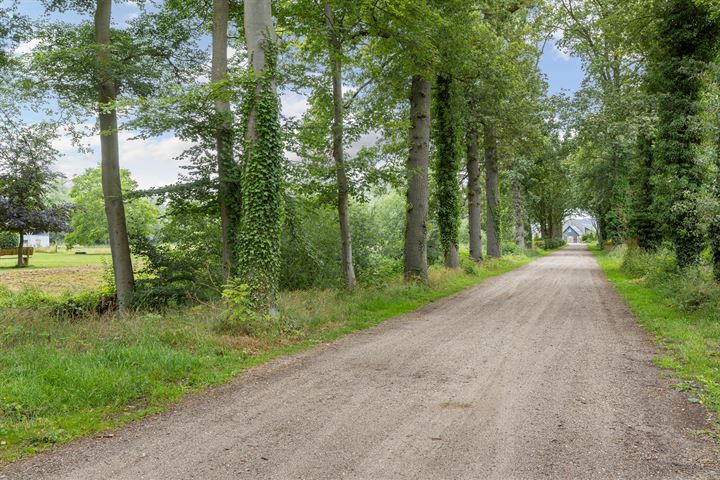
x=539 y=373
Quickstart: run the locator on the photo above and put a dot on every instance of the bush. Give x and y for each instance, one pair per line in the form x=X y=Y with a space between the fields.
x=691 y=289
x=509 y=247
x=588 y=237
x=9 y=240
x=550 y=244
x=638 y=262
x=66 y=306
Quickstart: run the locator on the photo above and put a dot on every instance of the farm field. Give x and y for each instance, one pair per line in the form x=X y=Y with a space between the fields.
x=57 y=272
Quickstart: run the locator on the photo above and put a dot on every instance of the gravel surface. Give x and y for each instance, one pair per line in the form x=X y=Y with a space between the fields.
x=539 y=373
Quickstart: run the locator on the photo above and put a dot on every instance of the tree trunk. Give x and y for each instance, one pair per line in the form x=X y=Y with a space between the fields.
x=261 y=170
x=445 y=169
x=110 y=161
x=338 y=153
x=20 y=260
x=492 y=191
x=223 y=133
x=415 y=251
x=518 y=213
x=474 y=193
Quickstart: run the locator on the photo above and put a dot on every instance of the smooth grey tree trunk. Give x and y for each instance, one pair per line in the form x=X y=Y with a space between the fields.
x=20 y=260
x=415 y=251
x=258 y=24
x=492 y=193
x=474 y=193
x=223 y=134
x=110 y=161
x=338 y=154
x=518 y=213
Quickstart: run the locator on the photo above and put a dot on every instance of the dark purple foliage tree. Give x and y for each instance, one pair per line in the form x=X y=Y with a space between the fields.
x=26 y=179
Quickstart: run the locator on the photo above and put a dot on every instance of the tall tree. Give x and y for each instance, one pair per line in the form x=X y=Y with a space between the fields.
x=224 y=131
x=26 y=181
x=110 y=158
x=492 y=192
x=474 y=191
x=685 y=40
x=446 y=166
x=336 y=62
x=261 y=179
x=88 y=221
x=415 y=252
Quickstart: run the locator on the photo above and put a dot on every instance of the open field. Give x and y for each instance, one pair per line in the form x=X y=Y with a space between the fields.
x=94 y=256
x=58 y=272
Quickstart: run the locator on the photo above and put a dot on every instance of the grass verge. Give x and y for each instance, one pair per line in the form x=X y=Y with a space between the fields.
x=62 y=379
x=690 y=339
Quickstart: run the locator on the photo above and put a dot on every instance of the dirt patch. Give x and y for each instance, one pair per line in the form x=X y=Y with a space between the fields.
x=54 y=280
x=540 y=373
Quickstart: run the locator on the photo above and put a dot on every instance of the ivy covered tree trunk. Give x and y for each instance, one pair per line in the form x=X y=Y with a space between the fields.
x=446 y=166
x=685 y=44
x=110 y=160
x=223 y=133
x=415 y=250
x=492 y=192
x=261 y=179
x=518 y=212
x=714 y=227
x=338 y=152
x=642 y=222
x=20 y=260
x=474 y=193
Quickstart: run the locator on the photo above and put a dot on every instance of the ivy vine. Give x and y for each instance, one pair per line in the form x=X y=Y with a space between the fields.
x=448 y=154
x=261 y=181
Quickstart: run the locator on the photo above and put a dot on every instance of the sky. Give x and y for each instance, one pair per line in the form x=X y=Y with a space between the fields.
x=152 y=162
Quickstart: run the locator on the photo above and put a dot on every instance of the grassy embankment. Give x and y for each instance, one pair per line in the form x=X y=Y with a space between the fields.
x=61 y=379
x=681 y=310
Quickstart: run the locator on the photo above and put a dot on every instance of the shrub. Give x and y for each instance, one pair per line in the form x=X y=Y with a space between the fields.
x=509 y=247
x=588 y=237
x=638 y=262
x=550 y=244
x=9 y=240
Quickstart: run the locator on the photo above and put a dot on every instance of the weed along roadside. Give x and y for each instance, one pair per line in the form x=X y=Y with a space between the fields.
x=681 y=309
x=65 y=378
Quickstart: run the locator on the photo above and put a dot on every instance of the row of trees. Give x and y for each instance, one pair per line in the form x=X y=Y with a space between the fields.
x=645 y=122
x=460 y=76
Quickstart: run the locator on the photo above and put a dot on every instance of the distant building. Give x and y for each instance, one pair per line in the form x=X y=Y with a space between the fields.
x=575 y=228
x=37 y=239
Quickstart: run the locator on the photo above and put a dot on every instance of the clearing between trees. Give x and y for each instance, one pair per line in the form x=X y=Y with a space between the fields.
x=539 y=373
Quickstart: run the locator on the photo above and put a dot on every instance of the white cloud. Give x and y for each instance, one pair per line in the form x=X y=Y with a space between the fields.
x=560 y=53
x=151 y=162
x=294 y=105
x=27 y=47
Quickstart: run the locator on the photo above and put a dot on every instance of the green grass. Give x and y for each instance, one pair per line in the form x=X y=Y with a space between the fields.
x=63 y=379
x=690 y=339
x=63 y=258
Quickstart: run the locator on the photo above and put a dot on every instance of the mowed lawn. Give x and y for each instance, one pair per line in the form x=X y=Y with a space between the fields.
x=57 y=272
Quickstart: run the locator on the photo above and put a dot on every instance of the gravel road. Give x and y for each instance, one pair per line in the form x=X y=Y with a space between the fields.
x=539 y=373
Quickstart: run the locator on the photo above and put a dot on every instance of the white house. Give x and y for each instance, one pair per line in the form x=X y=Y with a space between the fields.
x=37 y=239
